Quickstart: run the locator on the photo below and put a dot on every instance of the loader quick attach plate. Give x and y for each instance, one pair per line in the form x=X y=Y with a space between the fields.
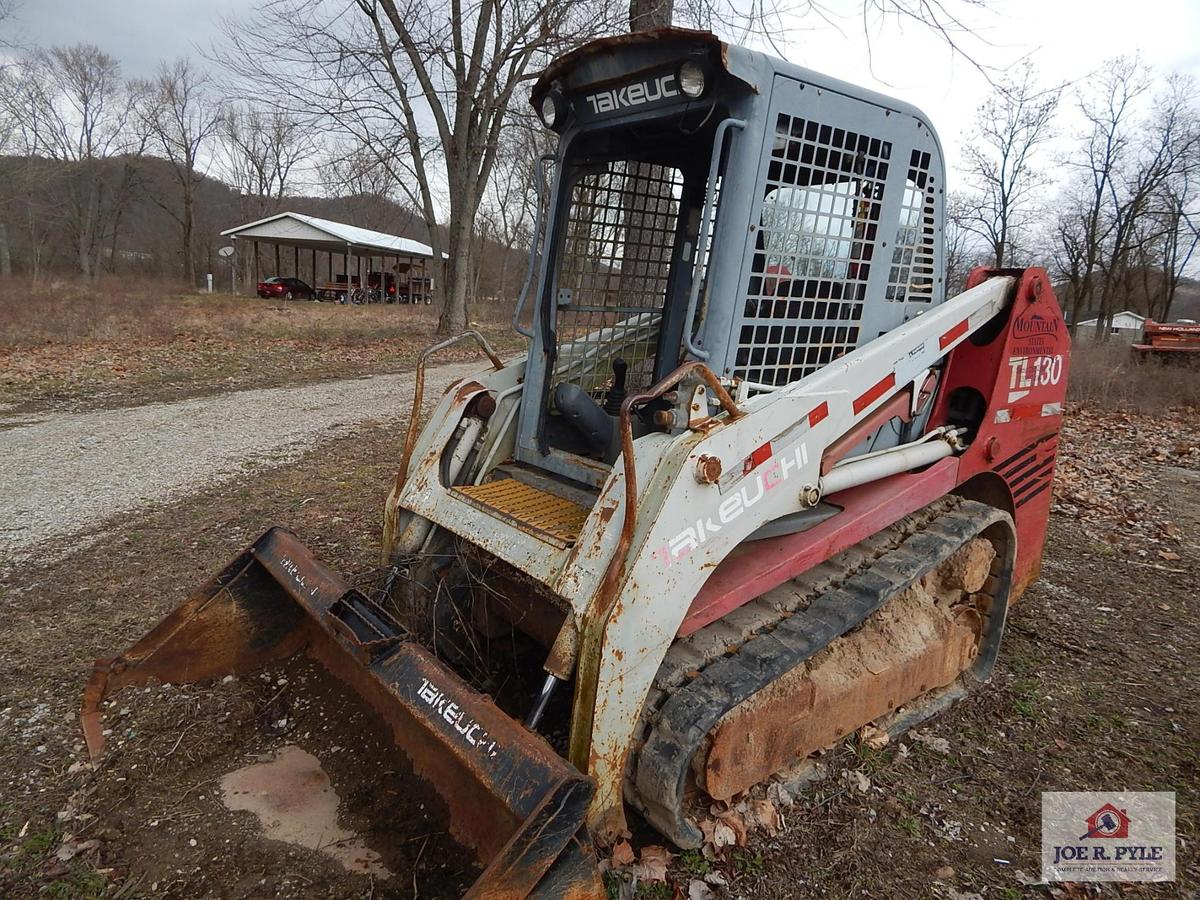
x=511 y=799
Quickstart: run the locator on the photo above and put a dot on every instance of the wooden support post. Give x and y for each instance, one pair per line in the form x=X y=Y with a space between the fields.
x=278 y=265
x=256 y=278
x=296 y=262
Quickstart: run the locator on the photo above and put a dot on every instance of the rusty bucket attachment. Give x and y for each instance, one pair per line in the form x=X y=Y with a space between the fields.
x=511 y=799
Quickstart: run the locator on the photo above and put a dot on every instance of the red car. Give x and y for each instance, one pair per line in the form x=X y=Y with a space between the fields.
x=287 y=288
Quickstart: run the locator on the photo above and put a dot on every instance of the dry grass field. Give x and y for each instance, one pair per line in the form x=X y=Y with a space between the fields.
x=74 y=345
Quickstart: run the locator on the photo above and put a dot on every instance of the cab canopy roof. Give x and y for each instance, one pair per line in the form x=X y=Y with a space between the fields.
x=298 y=230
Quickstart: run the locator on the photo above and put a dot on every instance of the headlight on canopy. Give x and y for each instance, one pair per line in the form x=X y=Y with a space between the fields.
x=691 y=79
x=553 y=109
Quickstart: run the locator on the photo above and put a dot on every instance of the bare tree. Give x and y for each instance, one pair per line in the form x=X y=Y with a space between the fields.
x=1180 y=217
x=510 y=204
x=8 y=127
x=260 y=151
x=1165 y=148
x=427 y=86
x=1013 y=125
x=1084 y=227
x=424 y=86
x=181 y=117
x=1068 y=251
x=367 y=188
x=70 y=105
x=962 y=250
x=1122 y=236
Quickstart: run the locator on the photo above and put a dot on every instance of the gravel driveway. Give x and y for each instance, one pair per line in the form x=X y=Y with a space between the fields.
x=65 y=474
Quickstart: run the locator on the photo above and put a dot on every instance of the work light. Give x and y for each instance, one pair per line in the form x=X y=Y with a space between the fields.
x=552 y=109
x=691 y=79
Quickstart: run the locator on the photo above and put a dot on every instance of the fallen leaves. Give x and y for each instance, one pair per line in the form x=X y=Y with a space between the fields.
x=717 y=834
x=764 y=815
x=652 y=865
x=874 y=737
x=731 y=825
x=622 y=854
x=736 y=821
x=856 y=780
x=930 y=741
x=69 y=848
x=173 y=347
x=1105 y=459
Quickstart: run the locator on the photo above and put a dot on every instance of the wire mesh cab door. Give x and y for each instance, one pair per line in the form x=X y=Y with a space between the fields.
x=618 y=267
x=845 y=240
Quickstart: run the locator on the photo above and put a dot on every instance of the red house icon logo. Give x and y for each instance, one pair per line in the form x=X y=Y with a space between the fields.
x=1107 y=822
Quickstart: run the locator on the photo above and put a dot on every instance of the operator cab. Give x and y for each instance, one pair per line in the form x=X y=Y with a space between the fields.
x=712 y=203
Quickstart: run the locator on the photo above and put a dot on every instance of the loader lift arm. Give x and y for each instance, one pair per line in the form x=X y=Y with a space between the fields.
x=796 y=424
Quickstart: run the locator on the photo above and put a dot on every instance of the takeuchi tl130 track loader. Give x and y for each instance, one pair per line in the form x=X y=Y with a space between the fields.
x=757 y=482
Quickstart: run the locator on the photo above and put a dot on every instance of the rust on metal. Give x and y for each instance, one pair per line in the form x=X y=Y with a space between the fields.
x=511 y=800
x=482 y=405
x=708 y=469
x=605 y=46
x=922 y=639
x=600 y=607
x=465 y=388
x=414 y=421
x=509 y=603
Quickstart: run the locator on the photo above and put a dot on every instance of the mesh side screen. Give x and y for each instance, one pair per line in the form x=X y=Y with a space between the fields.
x=910 y=277
x=821 y=204
x=613 y=270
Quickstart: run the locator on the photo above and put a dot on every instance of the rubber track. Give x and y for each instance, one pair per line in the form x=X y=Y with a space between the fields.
x=707 y=674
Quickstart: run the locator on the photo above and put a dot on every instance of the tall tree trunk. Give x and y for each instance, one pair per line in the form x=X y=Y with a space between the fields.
x=456 y=280
x=5 y=254
x=188 y=223
x=84 y=223
x=647 y=14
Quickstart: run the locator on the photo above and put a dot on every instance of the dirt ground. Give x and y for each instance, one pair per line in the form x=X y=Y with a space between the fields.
x=1094 y=690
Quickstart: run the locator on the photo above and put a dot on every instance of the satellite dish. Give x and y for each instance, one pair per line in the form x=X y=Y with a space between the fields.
x=225 y=252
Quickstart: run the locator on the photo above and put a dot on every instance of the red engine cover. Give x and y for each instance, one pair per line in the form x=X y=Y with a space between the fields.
x=1009 y=380
x=1022 y=375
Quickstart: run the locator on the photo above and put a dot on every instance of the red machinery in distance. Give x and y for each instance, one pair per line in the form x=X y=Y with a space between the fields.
x=1178 y=341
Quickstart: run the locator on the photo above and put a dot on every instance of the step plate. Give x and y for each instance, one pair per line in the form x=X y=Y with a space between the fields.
x=544 y=515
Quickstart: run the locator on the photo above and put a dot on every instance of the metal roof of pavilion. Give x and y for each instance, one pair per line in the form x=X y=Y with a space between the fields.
x=298 y=230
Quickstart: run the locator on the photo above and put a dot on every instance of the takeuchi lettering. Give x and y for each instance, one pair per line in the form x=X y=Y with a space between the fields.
x=633 y=94
x=454 y=716
x=767 y=477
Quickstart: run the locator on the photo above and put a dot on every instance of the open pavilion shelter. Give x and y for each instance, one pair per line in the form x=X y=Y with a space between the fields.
x=338 y=257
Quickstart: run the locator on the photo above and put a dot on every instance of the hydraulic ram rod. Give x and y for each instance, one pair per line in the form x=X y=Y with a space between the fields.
x=886 y=463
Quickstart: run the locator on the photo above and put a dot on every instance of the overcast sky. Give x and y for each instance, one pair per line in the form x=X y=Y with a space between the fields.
x=1067 y=39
